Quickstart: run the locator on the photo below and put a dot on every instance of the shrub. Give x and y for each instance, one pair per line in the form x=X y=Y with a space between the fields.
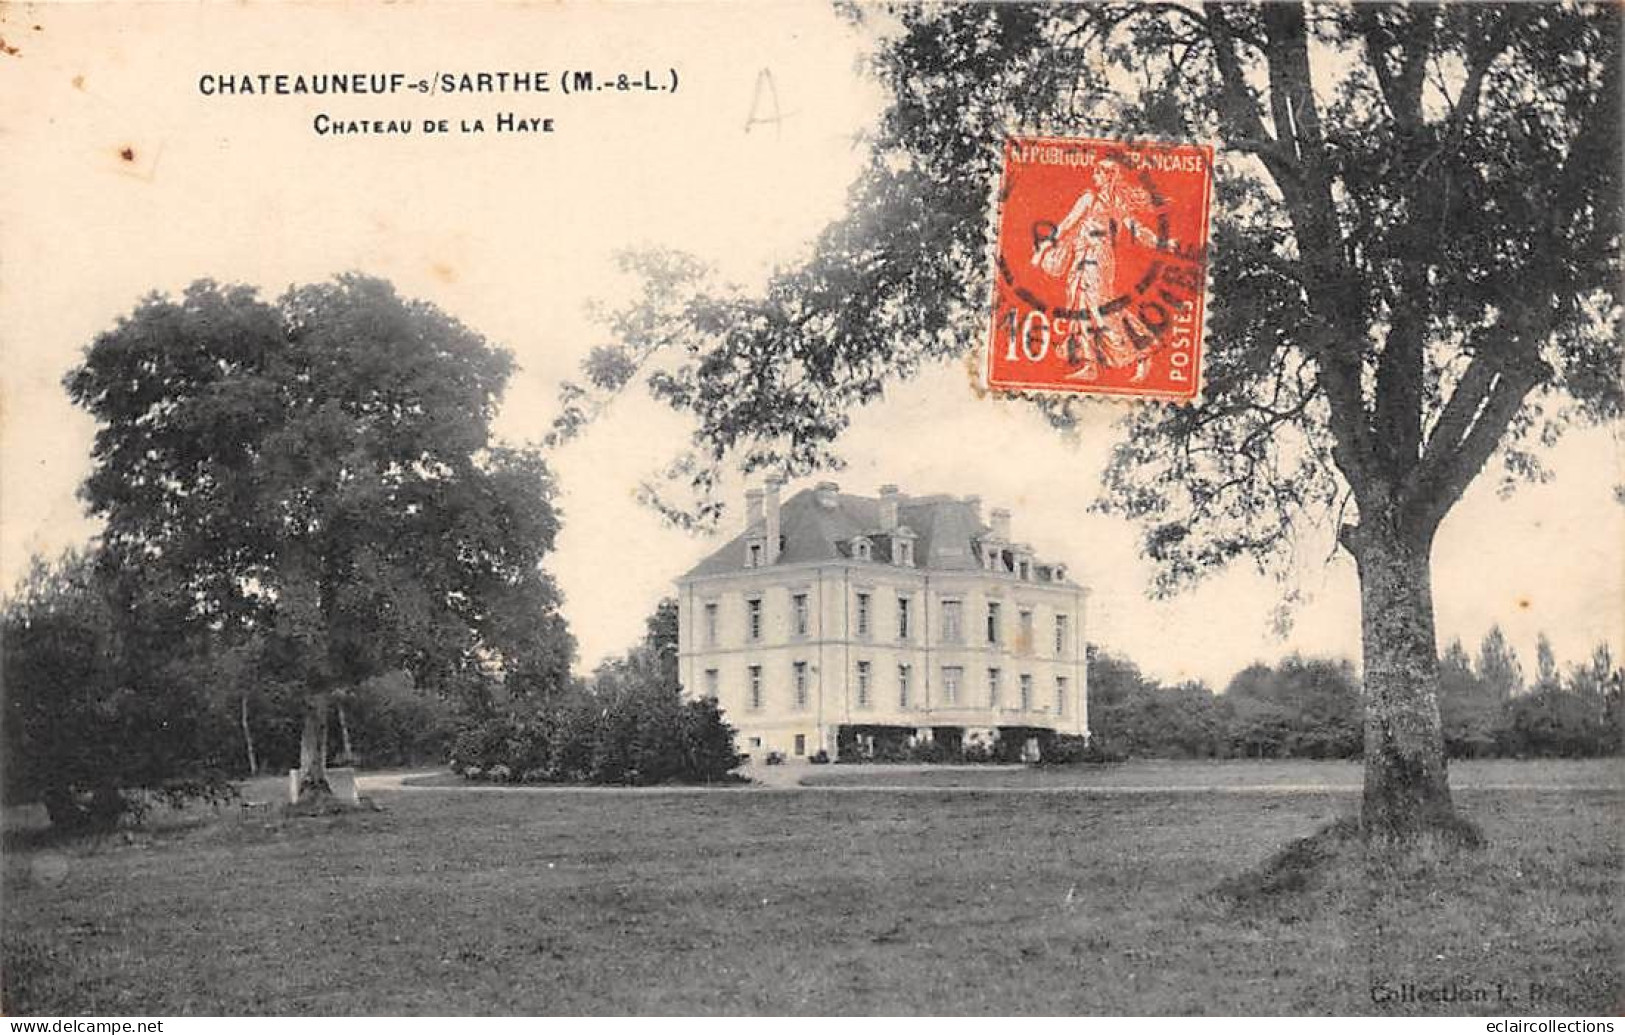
x=934 y=751
x=619 y=733
x=1066 y=749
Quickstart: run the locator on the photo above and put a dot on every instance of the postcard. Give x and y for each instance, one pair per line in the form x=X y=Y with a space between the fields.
x=803 y=509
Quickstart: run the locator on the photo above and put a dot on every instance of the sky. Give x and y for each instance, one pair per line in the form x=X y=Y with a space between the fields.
x=122 y=178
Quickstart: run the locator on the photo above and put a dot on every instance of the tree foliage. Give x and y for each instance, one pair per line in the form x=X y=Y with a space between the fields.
x=1310 y=708
x=96 y=706
x=317 y=474
x=1436 y=228
x=630 y=723
x=1305 y=707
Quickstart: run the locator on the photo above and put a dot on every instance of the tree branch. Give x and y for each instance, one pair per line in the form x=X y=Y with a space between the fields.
x=1504 y=369
x=1400 y=376
x=1239 y=109
x=1335 y=301
x=1401 y=88
x=1427 y=508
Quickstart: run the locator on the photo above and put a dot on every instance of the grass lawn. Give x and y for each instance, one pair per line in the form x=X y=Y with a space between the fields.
x=808 y=902
x=1288 y=773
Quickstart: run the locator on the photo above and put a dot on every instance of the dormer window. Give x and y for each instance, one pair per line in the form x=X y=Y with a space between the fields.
x=753 y=556
x=862 y=549
x=902 y=547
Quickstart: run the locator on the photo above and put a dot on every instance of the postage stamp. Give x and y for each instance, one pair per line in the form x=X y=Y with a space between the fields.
x=1101 y=267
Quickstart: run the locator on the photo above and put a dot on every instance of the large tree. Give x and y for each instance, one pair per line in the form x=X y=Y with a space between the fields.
x=1416 y=224
x=316 y=476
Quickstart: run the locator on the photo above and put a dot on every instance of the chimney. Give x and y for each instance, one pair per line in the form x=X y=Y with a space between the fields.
x=1001 y=524
x=753 y=507
x=889 y=500
x=827 y=491
x=770 y=500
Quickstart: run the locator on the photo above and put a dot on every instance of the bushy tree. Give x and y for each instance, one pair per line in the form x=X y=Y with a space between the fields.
x=1305 y=708
x=96 y=705
x=1469 y=706
x=394 y=722
x=1498 y=665
x=316 y=475
x=1570 y=718
x=1141 y=717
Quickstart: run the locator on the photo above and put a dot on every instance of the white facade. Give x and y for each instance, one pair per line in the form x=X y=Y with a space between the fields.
x=796 y=646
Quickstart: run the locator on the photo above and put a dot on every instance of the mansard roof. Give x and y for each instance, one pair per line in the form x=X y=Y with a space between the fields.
x=946 y=532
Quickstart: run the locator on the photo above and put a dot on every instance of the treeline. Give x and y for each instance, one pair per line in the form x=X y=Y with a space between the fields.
x=105 y=695
x=1311 y=708
x=104 y=698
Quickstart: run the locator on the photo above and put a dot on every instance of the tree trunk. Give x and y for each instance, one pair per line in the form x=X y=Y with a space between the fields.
x=1407 y=792
x=347 y=755
x=248 y=740
x=313 y=750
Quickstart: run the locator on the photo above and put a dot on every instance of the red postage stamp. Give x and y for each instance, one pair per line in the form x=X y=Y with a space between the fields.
x=1101 y=267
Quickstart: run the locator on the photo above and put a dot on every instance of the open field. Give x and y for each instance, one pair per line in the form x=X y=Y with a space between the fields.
x=774 y=901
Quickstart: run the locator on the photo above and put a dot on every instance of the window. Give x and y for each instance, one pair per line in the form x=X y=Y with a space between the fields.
x=711 y=624
x=1060 y=695
x=1061 y=635
x=800 y=669
x=755 y=556
x=861 y=549
x=799 y=604
x=1026 y=692
x=992 y=688
x=904 y=677
x=863 y=684
x=903 y=616
x=801 y=744
x=863 y=614
x=993 y=622
x=711 y=682
x=953 y=629
x=753 y=614
x=904 y=551
x=755 y=687
x=1025 y=617
x=756 y=742
x=951 y=677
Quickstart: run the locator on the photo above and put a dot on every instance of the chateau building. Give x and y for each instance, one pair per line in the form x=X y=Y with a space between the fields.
x=838 y=623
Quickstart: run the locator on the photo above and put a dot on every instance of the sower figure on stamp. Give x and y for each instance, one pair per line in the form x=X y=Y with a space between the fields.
x=1082 y=250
